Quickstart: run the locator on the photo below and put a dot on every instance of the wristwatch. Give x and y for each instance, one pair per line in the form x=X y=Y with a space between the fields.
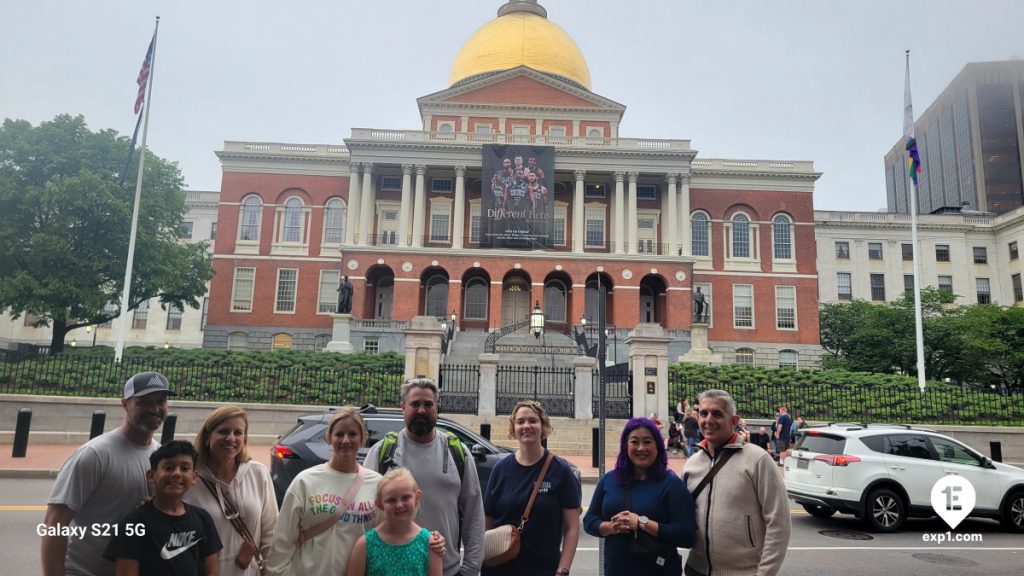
x=641 y=523
x=563 y=572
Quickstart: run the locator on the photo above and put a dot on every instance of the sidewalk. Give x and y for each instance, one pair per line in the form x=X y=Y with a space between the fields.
x=44 y=460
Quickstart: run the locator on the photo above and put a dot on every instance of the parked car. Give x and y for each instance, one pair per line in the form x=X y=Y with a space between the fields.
x=884 y=474
x=304 y=445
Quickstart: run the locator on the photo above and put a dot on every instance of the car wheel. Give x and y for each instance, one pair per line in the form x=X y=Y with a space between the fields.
x=1013 y=512
x=819 y=511
x=884 y=510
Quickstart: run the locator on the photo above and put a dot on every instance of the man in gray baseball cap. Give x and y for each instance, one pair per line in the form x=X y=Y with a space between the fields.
x=102 y=481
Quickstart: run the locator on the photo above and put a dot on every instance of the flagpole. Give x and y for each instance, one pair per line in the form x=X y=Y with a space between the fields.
x=908 y=133
x=126 y=293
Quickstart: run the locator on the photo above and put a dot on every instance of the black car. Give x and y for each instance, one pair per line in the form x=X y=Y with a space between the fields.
x=304 y=445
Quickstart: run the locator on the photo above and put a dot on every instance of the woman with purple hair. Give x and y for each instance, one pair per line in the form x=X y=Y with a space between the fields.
x=642 y=509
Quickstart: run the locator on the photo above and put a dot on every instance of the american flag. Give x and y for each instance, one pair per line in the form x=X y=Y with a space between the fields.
x=144 y=76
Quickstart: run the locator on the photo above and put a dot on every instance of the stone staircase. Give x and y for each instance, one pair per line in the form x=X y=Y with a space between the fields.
x=469 y=344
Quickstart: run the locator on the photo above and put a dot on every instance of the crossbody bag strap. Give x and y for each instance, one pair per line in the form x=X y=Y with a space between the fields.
x=536 y=488
x=714 y=470
x=346 y=501
x=233 y=515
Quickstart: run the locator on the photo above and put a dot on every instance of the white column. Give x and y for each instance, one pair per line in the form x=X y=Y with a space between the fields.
x=459 y=213
x=419 y=207
x=368 y=206
x=620 y=214
x=352 y=216
x=631 y=215
x=403 y=213
x=579 y=214
x=673 y=215
x=684 y=214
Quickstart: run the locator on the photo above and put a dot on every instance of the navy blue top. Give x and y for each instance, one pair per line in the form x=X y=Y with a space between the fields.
x=666 y=501
x=508 y=491
x=785 y=427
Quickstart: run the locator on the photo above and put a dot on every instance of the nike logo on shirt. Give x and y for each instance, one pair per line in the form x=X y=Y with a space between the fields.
x=181 y=542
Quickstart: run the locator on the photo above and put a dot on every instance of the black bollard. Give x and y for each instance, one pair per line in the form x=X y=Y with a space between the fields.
x=168 y=433
x=485 y=430
x=996 y=449
x=21 y=433
x=595 y=436
x=99 y=417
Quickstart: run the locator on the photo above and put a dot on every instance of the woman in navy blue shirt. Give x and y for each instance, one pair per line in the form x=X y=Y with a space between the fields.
x=641 y=495
x=548 y=541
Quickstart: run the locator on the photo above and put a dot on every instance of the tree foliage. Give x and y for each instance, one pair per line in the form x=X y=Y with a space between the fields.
x=979 y=344
x=65 y=221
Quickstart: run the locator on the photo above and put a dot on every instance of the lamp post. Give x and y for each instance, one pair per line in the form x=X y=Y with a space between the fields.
x=74 y=343
x=537 y=320
x=448 y=326
x=92 y=329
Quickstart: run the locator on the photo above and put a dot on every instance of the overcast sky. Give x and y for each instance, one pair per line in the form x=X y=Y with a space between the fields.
x=784 y=80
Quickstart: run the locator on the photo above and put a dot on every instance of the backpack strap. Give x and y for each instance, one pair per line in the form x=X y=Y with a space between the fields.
x=722 y=459
x=458 y=452
x=386 y=455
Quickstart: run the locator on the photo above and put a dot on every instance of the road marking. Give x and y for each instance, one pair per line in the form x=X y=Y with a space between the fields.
x=22 y=508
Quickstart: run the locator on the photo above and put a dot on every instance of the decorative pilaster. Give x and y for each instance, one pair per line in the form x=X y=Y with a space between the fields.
x=352 y=216
x=631 y=225
x=684 y=214
x=368 y=206
x=579 y=213
x=620 y=214
x=419 y=206
x=403 y=213
x=673 y=215
x=459 y=213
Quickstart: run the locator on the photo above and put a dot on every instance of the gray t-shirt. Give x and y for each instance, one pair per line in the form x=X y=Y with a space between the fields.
x=443 y=496
x=102 y=481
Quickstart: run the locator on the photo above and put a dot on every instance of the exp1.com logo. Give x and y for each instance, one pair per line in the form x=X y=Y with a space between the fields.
x=953 y=498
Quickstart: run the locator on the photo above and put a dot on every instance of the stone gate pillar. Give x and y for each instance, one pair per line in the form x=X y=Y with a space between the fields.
x=648 y=362
x=423 y=347
x=487 y=402
x=584 y=366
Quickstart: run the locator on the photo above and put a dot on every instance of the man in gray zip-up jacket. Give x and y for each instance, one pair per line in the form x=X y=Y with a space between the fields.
x=743 y=523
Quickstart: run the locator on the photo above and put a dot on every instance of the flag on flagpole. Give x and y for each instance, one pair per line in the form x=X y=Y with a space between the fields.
x=913 y=158
x=144 y=76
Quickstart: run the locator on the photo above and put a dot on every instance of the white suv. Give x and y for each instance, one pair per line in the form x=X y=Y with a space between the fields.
x=883 y=474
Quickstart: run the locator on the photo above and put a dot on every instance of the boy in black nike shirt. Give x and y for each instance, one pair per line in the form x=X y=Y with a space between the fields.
x=166 y=536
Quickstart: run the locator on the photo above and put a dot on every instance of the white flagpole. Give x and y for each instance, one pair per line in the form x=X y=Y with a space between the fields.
x=126 y=293
x=908 y=133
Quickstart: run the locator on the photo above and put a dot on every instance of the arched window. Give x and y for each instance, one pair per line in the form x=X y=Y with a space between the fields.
x=740 y=236
x=292 y=221
x=437 y=296
x=476 y=300
x=787 y=359
x=782 y=237
x=595 y=133
x=252 y=213
x=282 y=341
x=334 y=221
x=700 y=234
x=238 y=341
x=745 y=356
x=554 y=301
x=446 y=127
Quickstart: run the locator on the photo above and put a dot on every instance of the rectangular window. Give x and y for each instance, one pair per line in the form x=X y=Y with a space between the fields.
x=699 y=235
x=1014 y=254
x=946 y=283
x=390 y=182
x=785 y=307
x=31 y=319
x=980 y=255
x=185 y=230
x=213 y=231
x=743 y=305
x=440 y=219
x=942 y=252
x=482 y=128
x=474 y=223
x=908 y=252
x=174 y=314
x=441 y=185
x=843 y=250
x=558 y=233
x=984 y=290
x=327 y=302
x=874 y=250
x=595 y=191
x=878 y=287
x=287 y=278
x=241 y=292
x=206 y=312
x=558 y=131
x=595 y=228
x=371 y=345
x=1018 y=291
x=140 y=316
x=646 y=192
x=520 y=130
x=908 y=283
x=844 y=286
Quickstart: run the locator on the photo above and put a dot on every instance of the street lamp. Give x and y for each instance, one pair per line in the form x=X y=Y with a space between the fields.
x=74 y=343
x=167 y=345
x=537 y=320
x=92 y=329
x=448 y=331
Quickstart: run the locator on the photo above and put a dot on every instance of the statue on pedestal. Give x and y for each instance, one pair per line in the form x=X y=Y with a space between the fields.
x=700 y=308
x=345 y=296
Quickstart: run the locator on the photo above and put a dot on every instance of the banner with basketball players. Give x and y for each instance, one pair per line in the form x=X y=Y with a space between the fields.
x=517 y=204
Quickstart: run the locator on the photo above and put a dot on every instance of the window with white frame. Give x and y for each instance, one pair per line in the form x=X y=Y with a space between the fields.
x=844 y=286
x=946 y=283
x=874 y=250
x=595 y=191
x=594 y=132
x=788 y=359
x=558 y=232
x=984 y=290
x=700 y=234
x=441 y=185
x=185 y=230
x=521 y=129
x=474 y=222
x=594 y=227
x=475 y=307
x=238 y=341
x=174 y=313
x=440 y=221
x=646 y=192
x=446 y=127
x=782 y=237
x=291 y=227
x=745 y=356
x=387 y=226
x=327 y=301
x=554 y=301
x=482 y=128
x=287 y=281
x=390 y=182
x=743 y=305
x=252 y=215
x=334 y=221
x=646 y=228
x=140 y=316
x=740 y=236
x=241 y=290
x=371 y=344
x=785 y=307
x=558 y=131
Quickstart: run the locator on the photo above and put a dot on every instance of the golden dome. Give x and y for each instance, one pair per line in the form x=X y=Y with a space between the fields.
x=521 y=37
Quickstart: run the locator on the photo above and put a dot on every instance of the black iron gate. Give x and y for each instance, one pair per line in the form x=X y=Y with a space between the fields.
x=618 y=391
x=552 y=386
x=460 y=388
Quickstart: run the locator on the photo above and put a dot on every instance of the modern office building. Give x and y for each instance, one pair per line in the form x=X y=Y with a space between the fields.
x=971 y=142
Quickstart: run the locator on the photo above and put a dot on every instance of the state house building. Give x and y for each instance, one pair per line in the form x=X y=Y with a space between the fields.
x=517 y=189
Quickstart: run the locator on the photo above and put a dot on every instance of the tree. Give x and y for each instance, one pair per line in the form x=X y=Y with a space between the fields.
x=65 y=221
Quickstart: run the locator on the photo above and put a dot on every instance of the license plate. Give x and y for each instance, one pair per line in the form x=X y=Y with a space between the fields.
x=803 y=463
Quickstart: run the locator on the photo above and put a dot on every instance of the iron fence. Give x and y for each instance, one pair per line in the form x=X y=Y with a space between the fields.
x=553 y=386
x=460 y=388
x=618 y=391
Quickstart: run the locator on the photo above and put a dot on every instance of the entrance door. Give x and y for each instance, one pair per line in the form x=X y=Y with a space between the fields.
x=647 y=305
x=515 y=301
x=382 y=304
